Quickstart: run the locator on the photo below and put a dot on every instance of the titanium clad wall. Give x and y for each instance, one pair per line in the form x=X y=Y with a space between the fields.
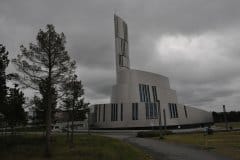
x=127 y=88
x=196 y=116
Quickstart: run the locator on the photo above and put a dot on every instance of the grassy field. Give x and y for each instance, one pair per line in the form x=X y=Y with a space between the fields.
x=87 y=147
x=225 y=143
x=230 y=124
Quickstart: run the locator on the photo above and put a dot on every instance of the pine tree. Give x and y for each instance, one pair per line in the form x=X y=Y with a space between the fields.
x=77 y=109
x=47 y=61
x=15 y=114
x=3 y=88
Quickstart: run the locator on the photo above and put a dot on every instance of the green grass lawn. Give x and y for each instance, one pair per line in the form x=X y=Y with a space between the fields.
x=230 y=124
x=87 y=147
x=225 y=143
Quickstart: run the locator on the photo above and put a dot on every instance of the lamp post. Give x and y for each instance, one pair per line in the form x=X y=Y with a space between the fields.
x=160 y=120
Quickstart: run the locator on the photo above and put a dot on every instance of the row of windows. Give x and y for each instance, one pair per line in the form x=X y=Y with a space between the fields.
x=151 y=110
x=173 y=110
x=144 y=93
x=97 y=111
x=114 y=112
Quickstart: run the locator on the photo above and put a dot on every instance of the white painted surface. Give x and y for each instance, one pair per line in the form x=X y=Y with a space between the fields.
x=126 y=92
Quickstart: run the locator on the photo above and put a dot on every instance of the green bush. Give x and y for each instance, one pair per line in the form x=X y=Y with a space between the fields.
x=144 y=134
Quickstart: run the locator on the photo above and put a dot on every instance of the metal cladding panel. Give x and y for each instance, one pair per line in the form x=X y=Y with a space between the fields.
x=120 y=28
x=121 y=43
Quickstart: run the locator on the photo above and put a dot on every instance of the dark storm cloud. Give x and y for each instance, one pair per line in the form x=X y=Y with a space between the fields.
x=193 y=42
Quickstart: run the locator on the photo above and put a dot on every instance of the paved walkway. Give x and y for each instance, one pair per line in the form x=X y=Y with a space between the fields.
x=168 y=151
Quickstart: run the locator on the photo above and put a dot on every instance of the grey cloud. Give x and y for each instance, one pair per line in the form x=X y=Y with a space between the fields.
x=88 y=26
x=99 y=54
x=97 y=81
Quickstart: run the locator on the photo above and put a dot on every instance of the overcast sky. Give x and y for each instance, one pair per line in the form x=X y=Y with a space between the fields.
x=196 y=43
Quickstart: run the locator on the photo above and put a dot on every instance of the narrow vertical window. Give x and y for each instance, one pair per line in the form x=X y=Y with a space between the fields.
x=148 y=94
x=146 y=90
x=121 y=112
x=176 y=111
x=116 y=112
x=154 y=91
x=99 y=113
x=104 y=113
x=134 y=111
x=173 y=111
x=144 y=93
x=141 y=92
x=125 y=30
x=170 y=109
x=112 y=112
x=185 y=110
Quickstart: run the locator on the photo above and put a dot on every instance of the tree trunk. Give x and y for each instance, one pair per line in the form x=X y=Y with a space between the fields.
x=72 y=126
x=68 y=128
x=49 y=105
x=48 y=126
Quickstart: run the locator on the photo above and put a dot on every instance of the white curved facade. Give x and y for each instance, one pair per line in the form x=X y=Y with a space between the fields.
x=138 y=96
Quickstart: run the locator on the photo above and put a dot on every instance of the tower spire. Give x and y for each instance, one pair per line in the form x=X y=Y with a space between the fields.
x=121 y=43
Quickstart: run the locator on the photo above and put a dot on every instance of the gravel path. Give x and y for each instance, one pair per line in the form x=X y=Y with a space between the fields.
x=167 y=151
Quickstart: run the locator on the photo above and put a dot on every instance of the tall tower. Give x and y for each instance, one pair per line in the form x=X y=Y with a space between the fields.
x=121 y=48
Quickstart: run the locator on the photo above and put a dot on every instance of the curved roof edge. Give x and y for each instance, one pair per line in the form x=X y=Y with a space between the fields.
x=146 y=72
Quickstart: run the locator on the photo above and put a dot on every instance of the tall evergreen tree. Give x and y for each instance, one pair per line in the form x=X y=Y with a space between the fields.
x=3 y=88
x=48 y=61
x=77 y=109
x=15 y=114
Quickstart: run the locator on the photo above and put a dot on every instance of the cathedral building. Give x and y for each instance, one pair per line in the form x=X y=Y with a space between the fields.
x=142 y=99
